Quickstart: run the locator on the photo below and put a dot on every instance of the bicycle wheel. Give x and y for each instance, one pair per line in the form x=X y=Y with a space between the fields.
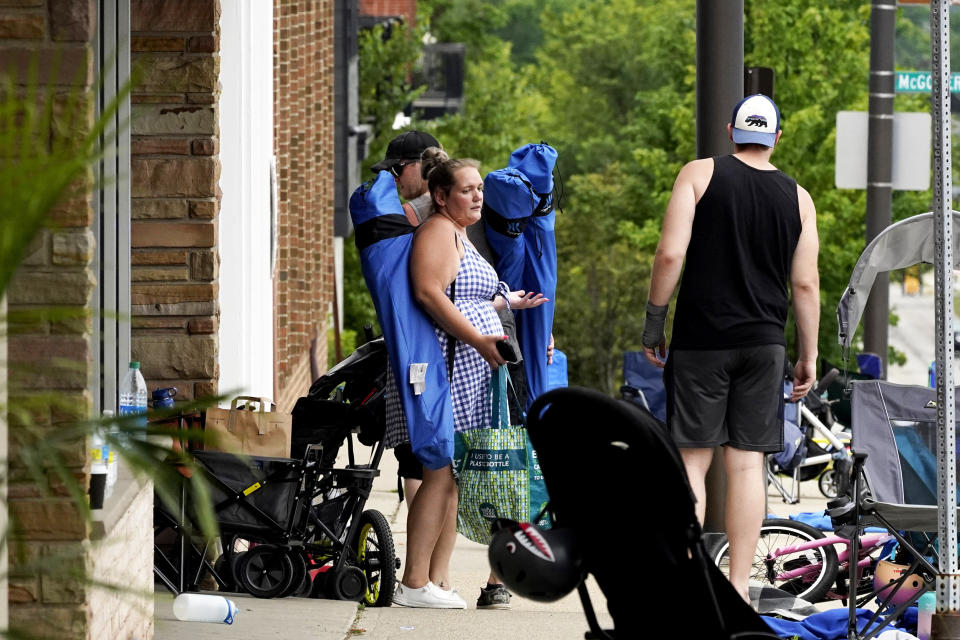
x=377 y=558
x=820 y=564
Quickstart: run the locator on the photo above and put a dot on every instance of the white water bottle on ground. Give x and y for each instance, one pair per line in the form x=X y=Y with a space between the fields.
x=199 y=607
x=133 y=396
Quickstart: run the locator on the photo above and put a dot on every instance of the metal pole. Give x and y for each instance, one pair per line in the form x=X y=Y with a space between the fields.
x=946 y=621
x=876 y=316
x=719 y=88
x=719 y=72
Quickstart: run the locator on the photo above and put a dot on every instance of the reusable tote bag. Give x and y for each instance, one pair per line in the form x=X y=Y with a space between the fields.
x=497 y=471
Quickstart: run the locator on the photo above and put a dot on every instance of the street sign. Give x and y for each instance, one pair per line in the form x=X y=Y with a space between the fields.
x=911 y=150
x=920 y=82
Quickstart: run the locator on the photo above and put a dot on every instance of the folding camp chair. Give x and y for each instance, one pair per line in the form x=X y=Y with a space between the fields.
x=894 y=433
x=643 y=384
x=895 y=480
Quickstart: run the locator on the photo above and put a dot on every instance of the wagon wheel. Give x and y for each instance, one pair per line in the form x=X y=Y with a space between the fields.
x=265 y=571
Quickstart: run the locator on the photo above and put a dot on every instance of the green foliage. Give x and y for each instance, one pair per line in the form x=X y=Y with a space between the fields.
x=387 y=55
x=501 y=112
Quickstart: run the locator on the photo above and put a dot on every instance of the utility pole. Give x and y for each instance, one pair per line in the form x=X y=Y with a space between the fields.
x=876 y=316
x=719 y=87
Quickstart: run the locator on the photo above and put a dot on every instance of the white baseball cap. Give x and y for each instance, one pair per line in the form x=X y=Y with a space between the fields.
x=756 y=119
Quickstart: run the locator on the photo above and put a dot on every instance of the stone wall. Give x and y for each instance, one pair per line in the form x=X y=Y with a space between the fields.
x=303 y=138
x=175 y=171
x=125 y=558
x=49 y=352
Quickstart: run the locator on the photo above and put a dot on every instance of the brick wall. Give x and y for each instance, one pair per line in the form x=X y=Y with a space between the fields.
x=175 y=171
x=49 y=353
x=405 y=8
x=303 y=138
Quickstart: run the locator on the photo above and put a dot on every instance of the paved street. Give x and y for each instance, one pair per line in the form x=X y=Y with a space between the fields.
x=914 y=333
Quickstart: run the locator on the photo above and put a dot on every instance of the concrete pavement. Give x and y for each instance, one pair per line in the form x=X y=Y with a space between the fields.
x=303 y=618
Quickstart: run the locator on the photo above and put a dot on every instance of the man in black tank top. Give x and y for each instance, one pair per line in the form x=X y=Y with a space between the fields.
x=744 y=230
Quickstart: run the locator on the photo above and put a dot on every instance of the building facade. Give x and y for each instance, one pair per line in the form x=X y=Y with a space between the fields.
x=170 y=252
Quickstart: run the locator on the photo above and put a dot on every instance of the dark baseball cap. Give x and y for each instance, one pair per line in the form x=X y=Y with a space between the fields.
x=406 y=146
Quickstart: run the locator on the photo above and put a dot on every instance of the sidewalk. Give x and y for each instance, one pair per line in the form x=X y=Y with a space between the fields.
x=303 y=618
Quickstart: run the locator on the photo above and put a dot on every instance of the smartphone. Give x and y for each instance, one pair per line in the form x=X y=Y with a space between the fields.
x=506 y=351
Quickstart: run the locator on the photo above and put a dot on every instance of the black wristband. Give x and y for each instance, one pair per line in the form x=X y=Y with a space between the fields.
x=653 y=325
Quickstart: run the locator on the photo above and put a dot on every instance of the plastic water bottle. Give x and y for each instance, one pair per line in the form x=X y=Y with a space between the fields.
x=133 y=396
x=199 y=607
x=927 y=605
x=110 y=454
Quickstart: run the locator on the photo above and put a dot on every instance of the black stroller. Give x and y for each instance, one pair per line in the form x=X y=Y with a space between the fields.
x=605 y=461
x=296 y=526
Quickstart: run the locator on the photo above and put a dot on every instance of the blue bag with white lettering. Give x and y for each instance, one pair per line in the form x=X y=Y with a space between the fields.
x=498 y=475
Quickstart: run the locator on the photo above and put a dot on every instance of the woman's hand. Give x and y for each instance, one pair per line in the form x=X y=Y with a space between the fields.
x=487 y=347
x=522 y=300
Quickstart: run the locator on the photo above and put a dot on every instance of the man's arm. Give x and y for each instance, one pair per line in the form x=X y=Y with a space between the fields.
x=674 y=239
x=805 y=286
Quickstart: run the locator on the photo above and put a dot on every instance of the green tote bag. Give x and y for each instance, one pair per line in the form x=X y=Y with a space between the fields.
x=498 y=475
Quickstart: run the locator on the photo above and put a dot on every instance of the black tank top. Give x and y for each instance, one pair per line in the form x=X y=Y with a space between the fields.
x=733 y=292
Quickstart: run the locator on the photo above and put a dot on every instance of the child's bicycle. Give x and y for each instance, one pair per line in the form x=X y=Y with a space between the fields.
x=804 y=562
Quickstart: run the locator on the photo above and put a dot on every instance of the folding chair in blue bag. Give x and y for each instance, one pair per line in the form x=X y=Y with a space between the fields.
x=643 y=384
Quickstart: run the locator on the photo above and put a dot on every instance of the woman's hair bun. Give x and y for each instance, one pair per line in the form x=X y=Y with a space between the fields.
x=430 y=159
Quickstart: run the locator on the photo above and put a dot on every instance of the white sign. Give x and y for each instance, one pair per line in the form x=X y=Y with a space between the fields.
x=911 y=150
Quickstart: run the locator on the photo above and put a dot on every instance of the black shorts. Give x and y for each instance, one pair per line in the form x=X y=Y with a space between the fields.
x=410 y=467
x=726 y=397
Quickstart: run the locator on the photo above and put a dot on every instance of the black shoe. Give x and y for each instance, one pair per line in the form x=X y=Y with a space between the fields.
x=494 y=597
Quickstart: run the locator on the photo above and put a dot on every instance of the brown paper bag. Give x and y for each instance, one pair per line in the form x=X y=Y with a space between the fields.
x=250 y=429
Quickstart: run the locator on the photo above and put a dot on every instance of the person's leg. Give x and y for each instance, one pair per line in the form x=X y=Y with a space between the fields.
x=425 y=522
x=696 y=461
x=410 y=488
x=755 y=425
x=443 y=550
x=746 y=503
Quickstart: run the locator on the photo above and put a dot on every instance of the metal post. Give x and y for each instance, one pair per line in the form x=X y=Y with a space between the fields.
x=719 y=72
x=719 y=88
x=946 y=621
x=876 y=316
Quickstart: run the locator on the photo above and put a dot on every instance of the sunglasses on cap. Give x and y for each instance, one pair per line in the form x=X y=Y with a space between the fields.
x=396 y=169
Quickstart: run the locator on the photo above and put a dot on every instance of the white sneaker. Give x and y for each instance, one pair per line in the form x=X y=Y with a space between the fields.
x=450 y=595
x=426 y=597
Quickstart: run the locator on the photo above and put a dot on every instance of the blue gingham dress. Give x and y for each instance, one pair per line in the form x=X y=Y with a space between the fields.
x=476 y=286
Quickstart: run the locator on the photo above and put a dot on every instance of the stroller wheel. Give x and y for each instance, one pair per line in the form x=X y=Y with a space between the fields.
x=828 y=483
x=376 y=557
x=813 y=571
x=348 y=583
x=265 y=571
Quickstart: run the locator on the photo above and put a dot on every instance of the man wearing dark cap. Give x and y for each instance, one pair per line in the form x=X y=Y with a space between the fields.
x=745 y=231
x=403 y=162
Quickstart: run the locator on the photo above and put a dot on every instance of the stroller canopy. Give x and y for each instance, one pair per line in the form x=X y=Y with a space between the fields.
x=900 y=245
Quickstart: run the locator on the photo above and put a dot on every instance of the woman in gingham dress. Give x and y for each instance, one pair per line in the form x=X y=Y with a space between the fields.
x=440 y=256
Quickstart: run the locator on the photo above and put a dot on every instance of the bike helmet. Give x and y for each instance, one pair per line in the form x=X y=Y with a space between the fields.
x=886 y=574
x=542 y=565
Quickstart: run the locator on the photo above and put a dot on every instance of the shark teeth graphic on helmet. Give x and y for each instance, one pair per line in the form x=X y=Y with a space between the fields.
x=532 y=541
